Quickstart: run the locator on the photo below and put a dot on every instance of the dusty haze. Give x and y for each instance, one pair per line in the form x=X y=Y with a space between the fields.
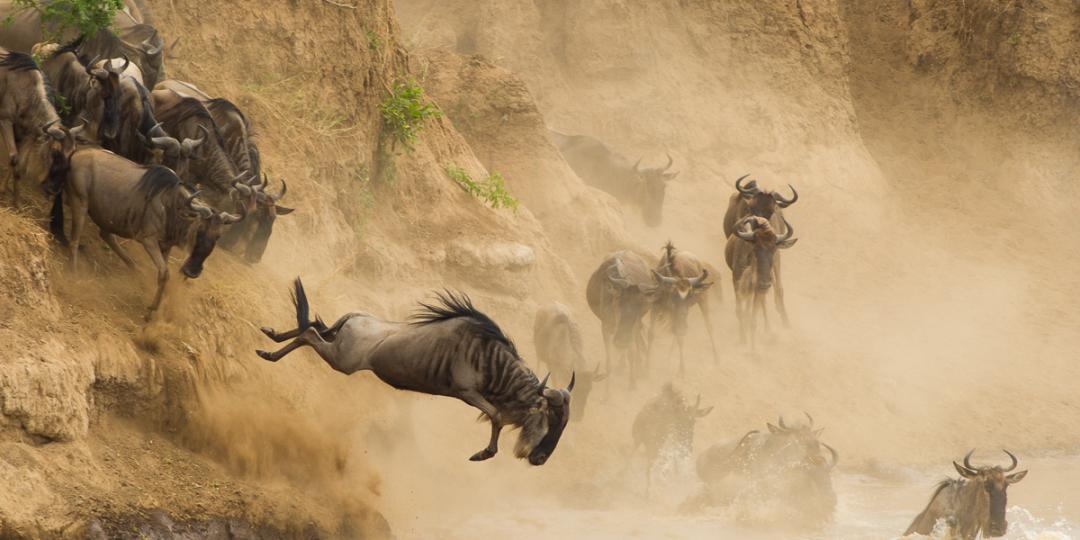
x=931 y=292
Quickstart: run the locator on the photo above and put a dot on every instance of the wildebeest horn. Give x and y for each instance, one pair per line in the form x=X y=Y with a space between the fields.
x=229 y=219
x=573 y=378
x=967 y=460
x=664 y=279
x=191 y=198
x=190 y=145
x=835 y=455
x=284 y=190
x=694 y=282
x=810 y=418
x=790 y=231
x=1015 y=461
x=784 y=203
x=669 y=161
x=543 y=383
x=149 y=48
x=90 y=65
x=745 y=235
x=169 y=144
x=242 y=188
x=51 y=129
x=637 y=166
x=744 y=191
x=75 y=131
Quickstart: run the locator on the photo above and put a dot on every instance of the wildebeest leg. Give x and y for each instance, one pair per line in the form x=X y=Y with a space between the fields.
x=472 y=397
x=608 y=331
x=153 y=249
x=703 y=305
x=682 y=357
x=79 y=212
x=779 y=286
x=115 y=246
x=7 y=130
x=310 y=337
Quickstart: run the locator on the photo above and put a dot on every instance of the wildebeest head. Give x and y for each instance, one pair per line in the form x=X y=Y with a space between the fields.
x=669 y=420
x=679 y=292
x=759 y=233
x=268 y=210
x=108 y=76
x=763 y=203
x=48 y=156
x=653 y=186
x=632 y=301
x=996 y=483
x=208 y=226
x=577 y=410
x=545 y=422
x=799 y=446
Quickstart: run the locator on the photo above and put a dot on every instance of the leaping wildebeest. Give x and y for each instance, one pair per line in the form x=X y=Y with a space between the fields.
x=28 y=121
x=147 y=204
x=684 y=283
x=972 y=503
x=750 y=254
x=666 y=423
x=612 y=172
x=451 y=349
x=620 y=292
x=559 y=346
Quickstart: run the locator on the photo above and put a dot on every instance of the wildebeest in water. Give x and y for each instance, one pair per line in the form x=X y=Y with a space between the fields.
x=666 y=424
x=450 y=349
x=559 y=347
x=972 y=503
x=610 y=171
x=785 y=473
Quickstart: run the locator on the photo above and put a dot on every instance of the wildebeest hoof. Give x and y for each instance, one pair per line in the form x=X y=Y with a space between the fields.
x=265 y=355
x=482 y=455
x=270 y=333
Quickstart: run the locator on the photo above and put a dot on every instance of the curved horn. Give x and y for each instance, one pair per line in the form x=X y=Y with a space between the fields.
x=967 y=460
x=149 y=48
x=664 y=279
x=835 y=455
x=284 y=190
x=90 y=65
x=190 y=145
x=694 y=282
x=543 y=383
x=789 y=233
x=670 y=161
x=1015 y=461
x=169 y=144
x=744 y=235
x=191 y=198
x=45 y=127
x=242 y=188
x=156 y=131
x=229 y=219
x=127 y=62
x=810 y=418
x=744 y=191
x=573 y=378
x=636 y=166
x=784 y=203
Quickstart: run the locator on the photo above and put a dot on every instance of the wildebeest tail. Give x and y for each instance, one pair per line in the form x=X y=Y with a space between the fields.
x=303 y=310
x=56 y=218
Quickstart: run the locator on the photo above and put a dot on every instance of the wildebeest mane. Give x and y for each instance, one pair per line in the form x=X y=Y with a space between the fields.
x=223 y=105
x=17 y=61
x=155 y=180
x=73 y=48
x=189 y=107
x=460 y=306
x=917 y=523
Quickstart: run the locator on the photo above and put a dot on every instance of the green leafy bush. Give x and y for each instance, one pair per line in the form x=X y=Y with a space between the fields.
x=85 y=16
x=405 y=111
x=492 y=190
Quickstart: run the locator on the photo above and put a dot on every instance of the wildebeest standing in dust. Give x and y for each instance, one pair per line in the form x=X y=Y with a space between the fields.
x=684 y=283
x=453 y=350
x=620 y=292
x=666 y=424
x=560 y=348
x=785 y=473
x=750 y=254
x=972 y=503
x=610 y=171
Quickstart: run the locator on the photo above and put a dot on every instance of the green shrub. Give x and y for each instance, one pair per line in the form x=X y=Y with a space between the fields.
x=405 y=111
x=492 y=190
x=85 y=16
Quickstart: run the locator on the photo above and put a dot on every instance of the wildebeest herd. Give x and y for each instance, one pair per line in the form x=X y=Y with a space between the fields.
x=96 y=122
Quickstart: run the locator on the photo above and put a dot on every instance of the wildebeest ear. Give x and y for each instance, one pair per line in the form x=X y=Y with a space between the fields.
x=282 y=210
x=1015 y=477
x=701 y=413
x=787 y=243
x=772 y=428
x=964 y=471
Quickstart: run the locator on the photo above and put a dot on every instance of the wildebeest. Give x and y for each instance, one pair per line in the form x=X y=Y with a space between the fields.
x=129 y=35
x=28 y=121
x=559 y=346
x=610 y=171
x=750 y=253
x=147 y=204
x=232 y=124
x=974 y=502
x=751 y=200
x=666 y=425
x=137 y=124
x=684 y=283
x=89 y=93
x=785 y=472
x=451 y=349
x=620 y=293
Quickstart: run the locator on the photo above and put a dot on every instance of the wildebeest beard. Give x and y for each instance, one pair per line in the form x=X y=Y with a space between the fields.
x=542 y=428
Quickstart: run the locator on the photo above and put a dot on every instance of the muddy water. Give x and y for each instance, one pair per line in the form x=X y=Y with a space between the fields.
x=1042 y=507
